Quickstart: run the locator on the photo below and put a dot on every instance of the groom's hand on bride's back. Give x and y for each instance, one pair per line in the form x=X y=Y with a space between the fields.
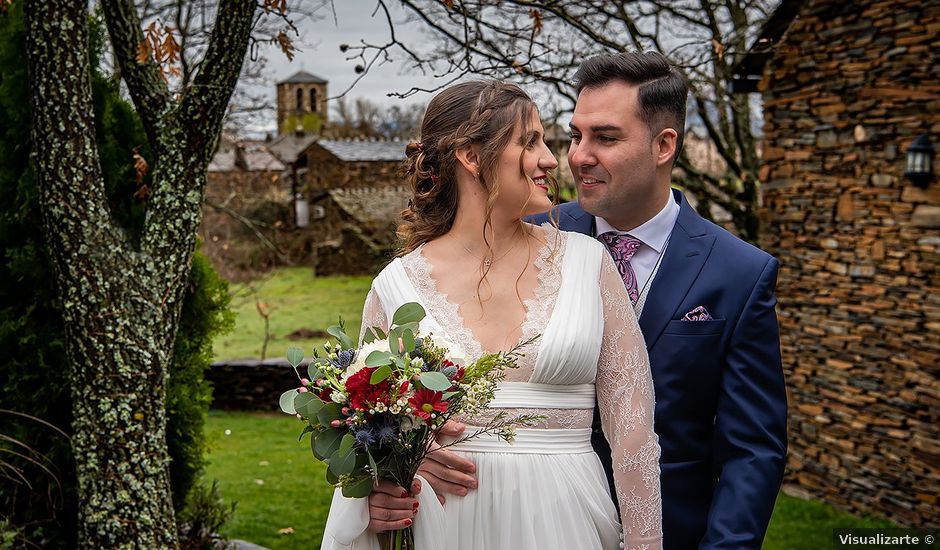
x=447 y=472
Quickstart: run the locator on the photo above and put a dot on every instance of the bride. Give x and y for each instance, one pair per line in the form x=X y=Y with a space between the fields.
x=488 y=281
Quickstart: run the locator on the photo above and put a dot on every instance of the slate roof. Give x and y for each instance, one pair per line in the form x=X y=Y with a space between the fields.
x=364 y=150
x=303 y=77
x=373 y=206
x=289 y=147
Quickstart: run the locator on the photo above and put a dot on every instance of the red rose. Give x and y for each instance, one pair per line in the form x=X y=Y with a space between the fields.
x=362 y=394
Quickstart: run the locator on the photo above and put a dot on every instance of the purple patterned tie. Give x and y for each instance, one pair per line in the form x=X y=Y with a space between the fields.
x=622 y=248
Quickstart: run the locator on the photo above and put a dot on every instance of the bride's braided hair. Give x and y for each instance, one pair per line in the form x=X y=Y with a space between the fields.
x=482 y=113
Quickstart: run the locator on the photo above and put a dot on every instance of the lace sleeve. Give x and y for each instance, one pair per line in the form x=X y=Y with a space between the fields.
x=373 y=314
x=625 y=399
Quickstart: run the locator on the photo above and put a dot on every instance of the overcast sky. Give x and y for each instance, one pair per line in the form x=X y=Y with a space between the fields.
x=320 y=41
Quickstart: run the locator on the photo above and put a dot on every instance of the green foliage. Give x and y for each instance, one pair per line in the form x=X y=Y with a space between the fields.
x=311 y=123
x=32 y=343
x=204 y=515
x=205 y=315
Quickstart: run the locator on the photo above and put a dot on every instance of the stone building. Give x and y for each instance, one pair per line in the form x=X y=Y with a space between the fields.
x=847 y=89
x=246 y=198
x=301 y=101
x=355 y=197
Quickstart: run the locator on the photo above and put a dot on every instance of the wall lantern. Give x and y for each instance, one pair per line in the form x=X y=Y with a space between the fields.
x=920 y=162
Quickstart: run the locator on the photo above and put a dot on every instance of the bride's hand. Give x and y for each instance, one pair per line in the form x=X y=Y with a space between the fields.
x=391 y=507
x=447 y=472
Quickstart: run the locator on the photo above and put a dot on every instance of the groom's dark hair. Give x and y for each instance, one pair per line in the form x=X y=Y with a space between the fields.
x=662 y=92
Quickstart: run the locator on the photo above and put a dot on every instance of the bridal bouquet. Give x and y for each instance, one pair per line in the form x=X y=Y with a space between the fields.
x=373 y=412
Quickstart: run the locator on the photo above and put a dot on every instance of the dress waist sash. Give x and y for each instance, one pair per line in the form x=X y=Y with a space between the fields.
x=529 y=395
x=552 y=441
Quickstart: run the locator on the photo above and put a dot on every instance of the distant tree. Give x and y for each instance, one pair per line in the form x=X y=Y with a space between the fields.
x=364 y=118
x=542 y=42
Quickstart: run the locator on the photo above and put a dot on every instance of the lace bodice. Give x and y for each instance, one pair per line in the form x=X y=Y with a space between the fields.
x=617 y=361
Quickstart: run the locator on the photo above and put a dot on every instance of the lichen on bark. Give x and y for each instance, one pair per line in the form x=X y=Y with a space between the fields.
x=121 y=299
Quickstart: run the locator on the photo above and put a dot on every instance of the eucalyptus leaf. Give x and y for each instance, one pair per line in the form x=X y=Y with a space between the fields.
x=346 y=444
x=331 y=477
x=368 y=336
x=326 y=443
x=343 y=464
x=408 y=340
x=380 y=374
x=394 y=336
x=337 y=332
x=378 y=358
x=328 y=413
x=314 y=372
x=295 y=356
x=412 y=312
x=359 y=489
x=379 y=333
x=286 y=401
x=301 y=399
x=435 y=381
x=310 y=409
x=373 y=467
x=307 y=429
x=449 y=394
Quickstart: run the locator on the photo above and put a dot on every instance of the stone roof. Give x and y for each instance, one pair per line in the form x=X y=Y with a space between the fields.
x=289 y=147
x=373 y=206
x=248 y=155
x=255 y=155
x=364 y=150
x=303 y=77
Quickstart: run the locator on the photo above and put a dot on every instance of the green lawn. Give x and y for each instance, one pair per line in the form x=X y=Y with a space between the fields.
x=296 y=300
x=278 y=484
x=274 y=479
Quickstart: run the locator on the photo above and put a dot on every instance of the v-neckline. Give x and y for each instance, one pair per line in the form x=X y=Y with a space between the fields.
x=447 y=312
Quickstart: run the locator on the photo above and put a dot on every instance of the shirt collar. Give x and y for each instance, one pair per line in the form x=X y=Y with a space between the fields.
x=654 y=232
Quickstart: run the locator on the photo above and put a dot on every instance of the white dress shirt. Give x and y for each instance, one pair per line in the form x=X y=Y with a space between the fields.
x=654 y=233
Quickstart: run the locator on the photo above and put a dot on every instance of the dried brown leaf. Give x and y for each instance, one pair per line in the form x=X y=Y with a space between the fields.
x=284 y=42
x=536 y=16
x=140 y=166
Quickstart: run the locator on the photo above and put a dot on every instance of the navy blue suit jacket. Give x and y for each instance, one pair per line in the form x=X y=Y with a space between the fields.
x=720 y=397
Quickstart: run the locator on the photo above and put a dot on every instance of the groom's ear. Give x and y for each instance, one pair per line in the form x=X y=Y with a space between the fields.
x=469 y=158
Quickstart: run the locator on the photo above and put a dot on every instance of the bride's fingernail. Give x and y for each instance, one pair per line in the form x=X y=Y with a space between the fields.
x=404 y=494
x=407 y=523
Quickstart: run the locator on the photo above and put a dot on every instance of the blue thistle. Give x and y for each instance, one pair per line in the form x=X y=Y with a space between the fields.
x=449 y=372
x=345 y=357
x=386 y=434
x=364 y=437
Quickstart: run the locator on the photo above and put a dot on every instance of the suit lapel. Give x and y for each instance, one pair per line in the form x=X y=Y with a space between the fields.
x=688 y=249
x=572 y=218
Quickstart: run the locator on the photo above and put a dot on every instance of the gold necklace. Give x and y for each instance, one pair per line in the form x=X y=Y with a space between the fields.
x=486 y=261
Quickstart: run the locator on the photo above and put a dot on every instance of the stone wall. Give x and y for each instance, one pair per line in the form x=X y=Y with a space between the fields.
x=251 y=385
x=328 y=172
x=846 y=93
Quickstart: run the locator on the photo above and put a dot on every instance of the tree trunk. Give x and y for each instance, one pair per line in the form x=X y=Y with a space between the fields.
x=118 y=329
x=121 y=300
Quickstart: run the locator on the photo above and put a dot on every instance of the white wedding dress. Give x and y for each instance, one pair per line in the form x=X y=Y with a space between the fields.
x=547 y=490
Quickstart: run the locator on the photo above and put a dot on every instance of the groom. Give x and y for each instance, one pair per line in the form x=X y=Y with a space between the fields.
x=705 y=302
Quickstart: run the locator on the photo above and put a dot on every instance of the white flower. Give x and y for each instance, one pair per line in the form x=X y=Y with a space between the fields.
x=360 y=362
x=407 y=424
x=338 y=397
x=454 y=352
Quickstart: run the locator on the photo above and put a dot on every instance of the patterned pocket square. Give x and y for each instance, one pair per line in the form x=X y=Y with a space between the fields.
x=698 y=314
